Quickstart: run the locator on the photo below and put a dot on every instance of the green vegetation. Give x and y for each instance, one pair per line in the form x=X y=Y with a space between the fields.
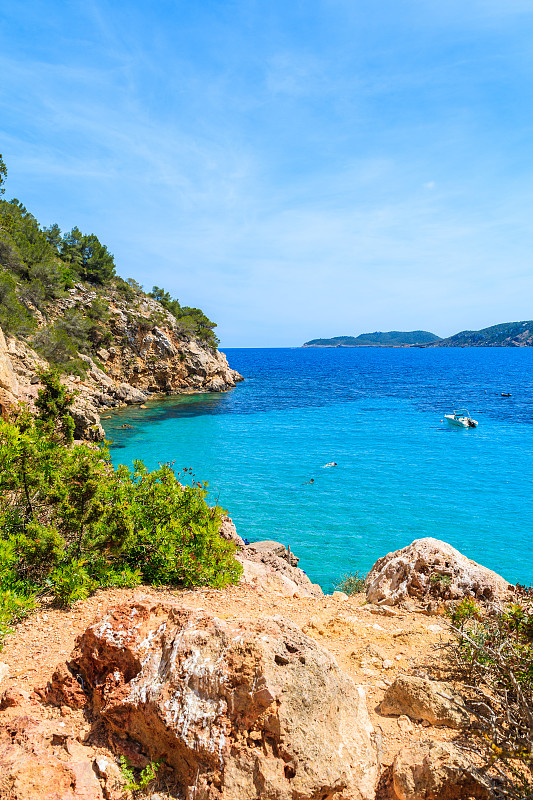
x=351 y=583
x=145 y=777
x=70 y=522
x=191 y=320
x=506 y=334
x=440 y=582
x=3 y=174
x=38 y=267
x=495 y=653
x=377 y=339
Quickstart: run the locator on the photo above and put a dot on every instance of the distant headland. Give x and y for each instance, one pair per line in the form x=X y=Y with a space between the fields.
x=377 y=339
x=507 y=334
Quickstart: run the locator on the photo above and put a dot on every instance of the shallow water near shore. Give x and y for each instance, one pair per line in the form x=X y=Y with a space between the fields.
x=402 y=473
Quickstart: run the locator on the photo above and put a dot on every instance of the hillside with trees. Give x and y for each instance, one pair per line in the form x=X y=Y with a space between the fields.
x=506 y=334
x=41 y=265
x=377 y=339
x=63 y=305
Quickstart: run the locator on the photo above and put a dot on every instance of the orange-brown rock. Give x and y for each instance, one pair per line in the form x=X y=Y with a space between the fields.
x=34 y=764
x=435 y=702
x=239 y=709
x=436 y=771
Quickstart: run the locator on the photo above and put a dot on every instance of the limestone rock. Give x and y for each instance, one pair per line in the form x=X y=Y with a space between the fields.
x=431 y=568
x=247 y=709
x=269 y=563
x=436 y=771
x=87 y=422
x=8 y=380
x=269 y=548
x=422 y=699
x=229 y=531
x=146 y=352
x=128 y=394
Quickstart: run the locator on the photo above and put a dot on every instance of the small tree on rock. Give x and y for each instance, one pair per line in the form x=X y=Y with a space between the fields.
x=54 y=403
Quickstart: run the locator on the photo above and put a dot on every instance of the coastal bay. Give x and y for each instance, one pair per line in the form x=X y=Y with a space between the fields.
x=402 y=473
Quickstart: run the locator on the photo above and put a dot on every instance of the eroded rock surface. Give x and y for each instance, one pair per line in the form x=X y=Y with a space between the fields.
x=436 y=771
x=147 y=354
x=270 y=565
x=429 y=568
x=228 y=531
x=421 y=699
x=247 y=709
x=40 y=761
x=8 y=379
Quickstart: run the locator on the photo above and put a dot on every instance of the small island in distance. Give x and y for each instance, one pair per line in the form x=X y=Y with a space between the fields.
x=377 y=339
x=507 y=334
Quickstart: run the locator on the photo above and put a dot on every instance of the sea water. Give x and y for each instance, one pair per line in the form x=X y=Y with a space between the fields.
x=402 y=471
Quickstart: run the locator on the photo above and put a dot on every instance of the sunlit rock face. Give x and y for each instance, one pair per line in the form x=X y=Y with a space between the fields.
x=242 y=709
x=144 y=353
x=429 y=568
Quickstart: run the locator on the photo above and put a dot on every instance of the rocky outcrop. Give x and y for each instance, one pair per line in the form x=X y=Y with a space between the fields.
x=143 y=353
x=436 y=771
x=247 y=709
x=272 y=566
x=427 y=570
x=38 y=759
x=421 y=699
x=228 y=531
x=8 y=380
x=269 y=565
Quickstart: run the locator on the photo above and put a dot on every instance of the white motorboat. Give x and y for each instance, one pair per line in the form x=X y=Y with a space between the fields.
x=461 y=418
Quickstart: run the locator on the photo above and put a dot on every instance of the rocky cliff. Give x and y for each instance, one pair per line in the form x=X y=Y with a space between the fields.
x=138 y=351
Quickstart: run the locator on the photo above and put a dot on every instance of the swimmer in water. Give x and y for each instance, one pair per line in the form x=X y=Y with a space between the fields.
x=308 y=482
x=331 y=464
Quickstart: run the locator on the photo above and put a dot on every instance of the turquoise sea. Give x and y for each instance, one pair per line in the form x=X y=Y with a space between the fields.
x=402 y=473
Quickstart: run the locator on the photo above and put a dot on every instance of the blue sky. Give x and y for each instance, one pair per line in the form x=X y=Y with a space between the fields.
x=296 y=169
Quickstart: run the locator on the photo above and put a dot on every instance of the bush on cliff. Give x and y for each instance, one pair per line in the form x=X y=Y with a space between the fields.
x=190 y=320
x=70 y=522
x=38 y=267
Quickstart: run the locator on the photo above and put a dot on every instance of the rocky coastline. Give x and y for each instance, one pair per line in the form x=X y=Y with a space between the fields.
x=268 y=689
x=143 y=354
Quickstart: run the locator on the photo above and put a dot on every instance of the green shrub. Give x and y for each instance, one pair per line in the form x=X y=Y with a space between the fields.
x=464 y=612
x=62 y=342
x=14 y=606
x=70 y=522
x=71 y=581
x=141 y=781
x=352 y=583
x=192 y=321
x=14 y=317
x=495 y=649
x=439 y=580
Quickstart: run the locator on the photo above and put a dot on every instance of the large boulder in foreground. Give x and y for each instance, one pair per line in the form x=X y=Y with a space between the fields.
x=429 y=568
x=243 y=709
x=436 y=771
